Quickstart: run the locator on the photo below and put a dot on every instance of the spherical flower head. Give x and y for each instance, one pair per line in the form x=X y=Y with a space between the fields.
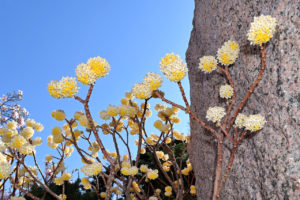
x=193 y=190
x=69 y=87
x=153 y=198
x=27 y=132
x=49 y=158
x=104 y=115
x=261 y=29
x=173 y=68
x=215 y=114
x=92 y=169
x=11 y=125
x=228 y=53
x=4 y=170
x=254 y=122
x=133 y=170
x=66 y=176
x=54 y=89
x=85 y=74
x=226 y=91
x=112 y=110
x=58 y=115
x=59 y=181
x=27 y=149
x=18 y=141
x=144 y=168
x=38 y=127
x=240 y=120
x=63 y=196
x=152 y=174
x=160 y=154
x=167 y=194
x=2 y=147
x=103 y=195
x=208 y=64
x=125 y=171
x=142 y=90
x=154 y=80
x=168 y=189
x=99 y=66
x=30 y=122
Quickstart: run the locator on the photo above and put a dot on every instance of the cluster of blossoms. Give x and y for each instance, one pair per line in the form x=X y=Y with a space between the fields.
x=65 y=88
x=226 y=91
x=144 y=90
x=251 y=123
x=86 y=74
x=261 y=29
x=10 y=110
x=16 y=140
x=173 y=67
x=228 y=53
x=215 y=114
x=92 y=169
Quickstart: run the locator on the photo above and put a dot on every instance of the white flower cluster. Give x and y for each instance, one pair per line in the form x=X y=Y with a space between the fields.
x=228 y=53
x=215 y=114
x=173 y=67
x=226 y=91
x=141 y=90
x=251 y=123
x=85 y=75
x=92 y=169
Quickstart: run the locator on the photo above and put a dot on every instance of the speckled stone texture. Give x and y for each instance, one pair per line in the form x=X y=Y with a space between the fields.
x=267 y=165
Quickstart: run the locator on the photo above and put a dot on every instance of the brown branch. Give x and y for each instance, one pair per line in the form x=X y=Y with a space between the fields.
x=219 y=166
x=233 y=95
x=22 y=190
x=206 y=126
x=252 y=87
x=184 y=97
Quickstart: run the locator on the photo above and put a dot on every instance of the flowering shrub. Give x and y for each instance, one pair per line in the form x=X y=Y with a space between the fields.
x=160 y=168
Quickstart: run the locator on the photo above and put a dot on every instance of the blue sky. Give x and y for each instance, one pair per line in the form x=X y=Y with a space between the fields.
x=42 y=41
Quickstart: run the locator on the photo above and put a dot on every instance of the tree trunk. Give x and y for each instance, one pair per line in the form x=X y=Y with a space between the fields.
x=267 y=164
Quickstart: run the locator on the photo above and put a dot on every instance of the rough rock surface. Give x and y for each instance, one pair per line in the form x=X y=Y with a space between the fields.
x=267 y=165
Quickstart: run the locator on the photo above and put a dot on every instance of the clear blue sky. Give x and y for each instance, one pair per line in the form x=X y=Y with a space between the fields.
x=42 y=41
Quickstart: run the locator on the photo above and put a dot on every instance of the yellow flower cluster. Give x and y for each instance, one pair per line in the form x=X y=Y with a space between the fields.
x=153 y=198
x=136 y=186
x=153 y=80
x=226 y=91
x=208 y=64
x=144 y=90
x=4 y=169
x=240 y=120
x=85 y=74
x=86 y=183
x=65 y=88
x=99 y=66
x=193 y=190
x=261 y=29
x=228 y=53
x=130 y=170
x=215 y=114
x=254 y=122
x=92 y=169
x=18 y=198
x=152 y=174
x=168 y=191
x=173 y=67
